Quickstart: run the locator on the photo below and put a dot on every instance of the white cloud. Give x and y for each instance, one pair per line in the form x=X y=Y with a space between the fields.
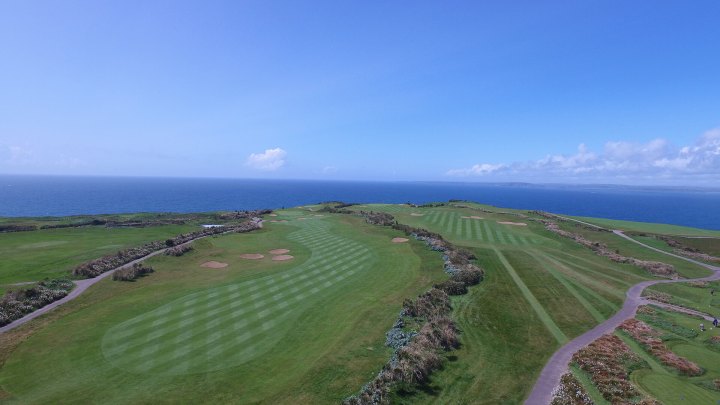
x=619 y=160
x=476 y=170
x=270 y=160
x=16 y=155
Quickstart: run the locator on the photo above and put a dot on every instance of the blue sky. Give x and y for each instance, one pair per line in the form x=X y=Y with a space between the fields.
x=555 y=91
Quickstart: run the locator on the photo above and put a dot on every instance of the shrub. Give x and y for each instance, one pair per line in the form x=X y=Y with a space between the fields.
x=178 y=250
x=452 y=287
x=432 y=303
x=608 y=361
x=96 y=267
x=648 y=339
x=468 y=275
x=131 y=273
x=570 y=392
x=17 y=303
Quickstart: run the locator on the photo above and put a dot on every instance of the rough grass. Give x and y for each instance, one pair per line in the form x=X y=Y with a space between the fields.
x=34 y=255
x=329 y=348
x=647 y=227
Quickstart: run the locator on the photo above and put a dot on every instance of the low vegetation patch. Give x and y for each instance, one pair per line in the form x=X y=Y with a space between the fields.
x=653 y=317
x=134 y=272
x=417 y=353
x=96 y=267
x=650 y=341
x=609 y=362
x=655 y=268
x=17 y=303
x=570 y=392
x=178 y=250
x=691 y=252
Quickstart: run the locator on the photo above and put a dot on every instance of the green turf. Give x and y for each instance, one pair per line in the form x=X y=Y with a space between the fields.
x=191 y=334
x=663 y=229
x=34 y=255
x=312 y=330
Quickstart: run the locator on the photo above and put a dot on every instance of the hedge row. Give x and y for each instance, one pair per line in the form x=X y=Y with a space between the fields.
x=418 y=353
x=131 y=273
x=96 y=267
x=17 y=303
x=178 y=250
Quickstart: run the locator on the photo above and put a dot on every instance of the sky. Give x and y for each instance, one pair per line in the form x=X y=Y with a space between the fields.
x=546 y=92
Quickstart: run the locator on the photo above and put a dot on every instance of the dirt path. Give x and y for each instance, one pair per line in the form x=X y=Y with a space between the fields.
x=558 y=363
x=82 y=285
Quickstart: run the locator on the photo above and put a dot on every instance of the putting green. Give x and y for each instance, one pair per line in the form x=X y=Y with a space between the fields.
x=229 y=325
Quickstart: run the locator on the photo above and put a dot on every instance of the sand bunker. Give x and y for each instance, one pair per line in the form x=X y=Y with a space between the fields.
x=472 y=217
x=281 y=220
x=512 y=223
x=318 y=215
x=272 y=215
x=214 y=265
x=280 y=258
x=415 y=214
x=399 y=240
x=279 y=251
x=252 y=256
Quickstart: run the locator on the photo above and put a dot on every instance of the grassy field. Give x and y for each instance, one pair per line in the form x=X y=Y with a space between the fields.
x=32 y=256
x=662 y=229
x=308 y=330
x=311 y=330
x=540 y=291
x=667 y=385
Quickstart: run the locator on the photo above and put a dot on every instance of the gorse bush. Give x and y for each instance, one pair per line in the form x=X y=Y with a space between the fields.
x=131 y=273
x=418 y=354
x=17 y=303
x=178 y=250
x=96 y=267
x=452 y=287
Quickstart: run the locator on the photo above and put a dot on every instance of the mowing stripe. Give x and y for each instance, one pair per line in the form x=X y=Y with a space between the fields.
x=478 y=231
x=596 y=272
x=488 y=232
x=585 y=303
x=579 y=276
x=211 y=330
x=458 y=225
x=499 y=236
x=443 y=219
x=468 y=229
x=603 y=266
x=534 y=303
x=512 y=240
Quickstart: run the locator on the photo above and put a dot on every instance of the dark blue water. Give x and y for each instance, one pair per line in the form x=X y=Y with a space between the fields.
x=47 y=195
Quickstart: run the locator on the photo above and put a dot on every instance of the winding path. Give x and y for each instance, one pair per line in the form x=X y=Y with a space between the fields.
x=541 y=393
x=82 y=285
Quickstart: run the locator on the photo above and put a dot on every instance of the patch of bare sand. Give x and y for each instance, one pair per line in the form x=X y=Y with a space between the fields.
x=272 y=215
x=276 y=220
x=252 y=256
x=399 y=240
x=281 y=258
x=512 y=223
x=415 y=214
x=214 y=265
x=472 y=217
x=279 y=251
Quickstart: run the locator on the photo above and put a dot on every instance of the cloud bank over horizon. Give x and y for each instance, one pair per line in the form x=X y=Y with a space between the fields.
x=620 y=161
x=270 y=160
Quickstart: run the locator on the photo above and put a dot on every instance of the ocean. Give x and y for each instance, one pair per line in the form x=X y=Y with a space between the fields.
x=58 y=196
